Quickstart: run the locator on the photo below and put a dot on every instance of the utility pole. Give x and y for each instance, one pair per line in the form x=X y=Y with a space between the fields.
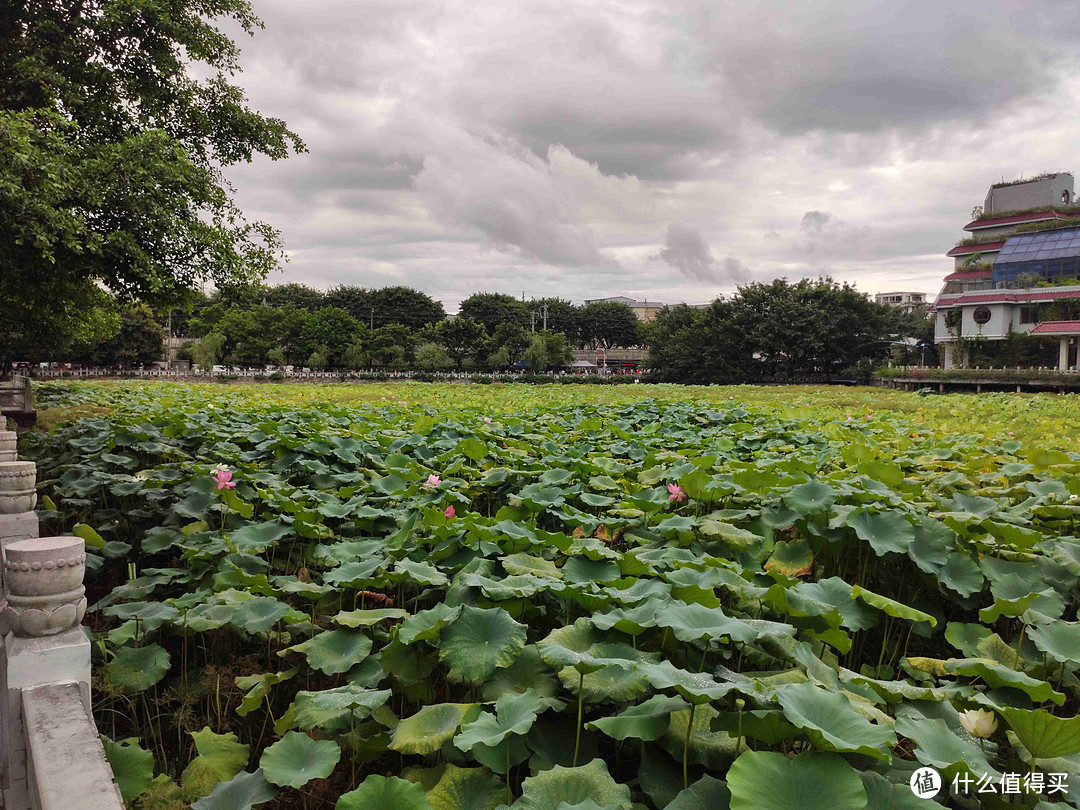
x=545 y=316
x=532 y=325
x=371 y=319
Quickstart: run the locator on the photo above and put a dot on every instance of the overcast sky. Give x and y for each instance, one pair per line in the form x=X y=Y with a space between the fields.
x=653 y=148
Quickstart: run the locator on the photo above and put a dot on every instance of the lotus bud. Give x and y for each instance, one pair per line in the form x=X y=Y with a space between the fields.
x=979 y=722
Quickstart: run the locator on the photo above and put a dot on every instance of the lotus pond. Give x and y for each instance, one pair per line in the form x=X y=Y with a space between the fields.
x=557 y=598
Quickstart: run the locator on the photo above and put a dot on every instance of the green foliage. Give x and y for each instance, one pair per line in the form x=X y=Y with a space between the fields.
x=110 y=179
x=849 y=569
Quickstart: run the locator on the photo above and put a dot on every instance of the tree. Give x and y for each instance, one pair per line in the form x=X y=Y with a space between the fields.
x=354 y=300
x=292 y=294
x=432 y=357
x=116 y=119
x=139 y=341
x=207 y=351
x=405 y=306
x=557 y=348
x=536 y=354
x=509 y=336
x=491 y=309
x=608 y=323
x=392 y=345
x=328 y=332
x=460 y=337
x=562 y=317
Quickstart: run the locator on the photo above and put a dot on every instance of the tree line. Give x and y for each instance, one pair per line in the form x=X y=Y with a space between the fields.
x=775 y=331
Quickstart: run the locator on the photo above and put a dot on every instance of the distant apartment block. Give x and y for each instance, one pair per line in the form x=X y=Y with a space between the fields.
x=907 y=301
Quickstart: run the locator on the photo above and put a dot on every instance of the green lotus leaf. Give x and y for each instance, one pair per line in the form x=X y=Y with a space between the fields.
x=692 y=622
x=890 y=607
x=1008 y=607
x=221 y=757
x=645 y=721
x=831 y=723
x=527 y=672
x=882 y=794
x=884 y=531
x=334 y=651
x=997 y=676
x=240 y=793
x=835 y=592
x=331 y=709
x=366 y=618
x=296 y=759
x=630 y=620
x=427 y=730
x=259 y=614
x=614 y=683
x=1059 y=640
x=255 y=538
x=151 y=615
x=132 y=766
x=576 y=646
x=707 y=793
x=420 y=572
x=550 y=788
x=388 y=792
x=765 y=725
x=1042 y=734
x=704 y=746
x=427 y=624
x=259 y=687
x=938 y=747
x=809 y=498
x=523 y=563
x=481 y=641
x=732 y=535
x=134 y=669
x=695 y=687
x=466 y=789
x=764 y=780
x=514 y=715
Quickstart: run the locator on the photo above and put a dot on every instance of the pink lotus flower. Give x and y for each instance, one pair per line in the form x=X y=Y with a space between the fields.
x=487 y=419
x=223 y=478
x=432 y=481
x=677 y=493
x=449 y=512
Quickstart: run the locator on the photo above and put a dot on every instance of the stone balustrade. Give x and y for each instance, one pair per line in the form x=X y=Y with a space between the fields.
x=50 y=750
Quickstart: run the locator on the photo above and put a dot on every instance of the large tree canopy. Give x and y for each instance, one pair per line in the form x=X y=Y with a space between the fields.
x=116 y=118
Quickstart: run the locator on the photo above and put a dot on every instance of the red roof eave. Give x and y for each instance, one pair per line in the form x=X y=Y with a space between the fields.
x=969 y=275
x=1006 y=297
x=1057 y=328
x=995 y=222
x=985 y=247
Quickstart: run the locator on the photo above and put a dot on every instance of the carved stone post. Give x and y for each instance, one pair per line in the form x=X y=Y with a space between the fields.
x=43 y=642
x=45 y=593
x=18 y=496
x=8 y=450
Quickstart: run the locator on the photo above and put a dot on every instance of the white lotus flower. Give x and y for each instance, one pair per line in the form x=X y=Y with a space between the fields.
x=979 y=722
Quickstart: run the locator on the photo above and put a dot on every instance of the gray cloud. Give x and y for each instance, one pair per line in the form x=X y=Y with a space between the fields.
x=460 y=146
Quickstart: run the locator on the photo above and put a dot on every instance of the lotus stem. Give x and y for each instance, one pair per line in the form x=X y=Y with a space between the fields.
x=686 y=746
x=580 y=694
x=506 y=742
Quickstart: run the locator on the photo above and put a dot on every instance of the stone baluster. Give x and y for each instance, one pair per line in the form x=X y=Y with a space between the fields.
x=8 y=451
x=44 y=645
x=18 y=495
x=45 y=593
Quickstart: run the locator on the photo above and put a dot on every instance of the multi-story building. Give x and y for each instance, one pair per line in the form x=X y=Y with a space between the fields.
x=907 y=301
x=1018 y=272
